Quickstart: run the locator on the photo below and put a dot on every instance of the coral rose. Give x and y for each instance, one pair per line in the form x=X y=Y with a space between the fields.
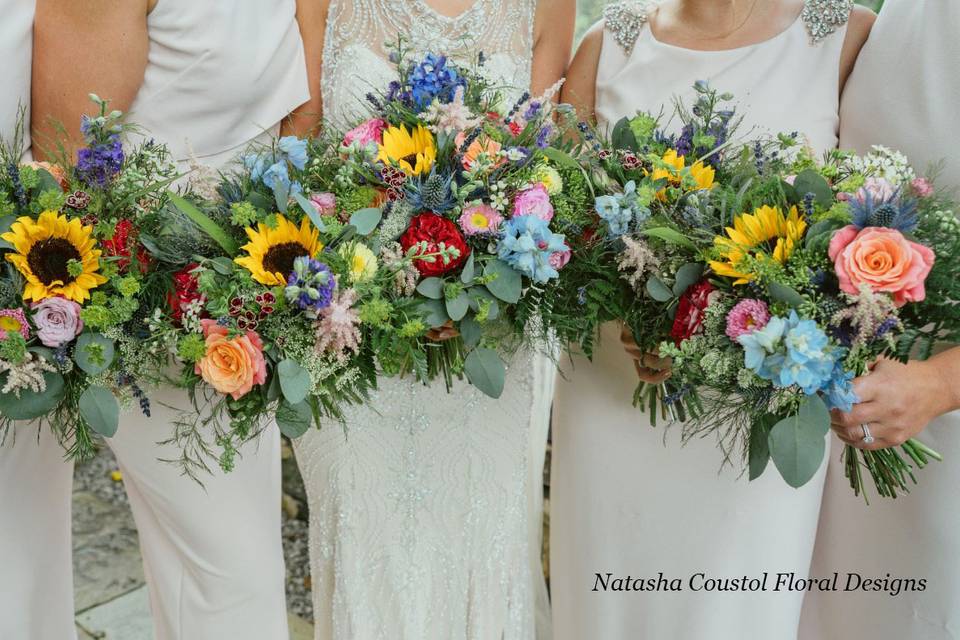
x=231 y=366
x=481 y=145
x=883 y=259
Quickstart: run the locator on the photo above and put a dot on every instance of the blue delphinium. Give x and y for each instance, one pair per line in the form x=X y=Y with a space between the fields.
x=294 y=150
x=527 y=243
x=621 y=210
x=100 y=162
x=838 y=393
x=790 y=351
x=273 y=169
x=310 y=287
x=276 y=176
x=433 y=78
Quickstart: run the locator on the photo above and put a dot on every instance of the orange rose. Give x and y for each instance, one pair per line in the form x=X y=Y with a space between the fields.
x=231 y=366
x=483 y=145
x=883 y=259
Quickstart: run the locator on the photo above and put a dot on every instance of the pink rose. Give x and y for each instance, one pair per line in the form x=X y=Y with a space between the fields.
x=57 y=320
x=231 y=366
x=369 y=131
x=326 y=203
x=882 y=259
x=559 y=259
x=534 y=201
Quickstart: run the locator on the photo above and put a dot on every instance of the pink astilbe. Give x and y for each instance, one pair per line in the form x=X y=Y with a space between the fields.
x=451 y=117
x=635 y=261
x=337 y=330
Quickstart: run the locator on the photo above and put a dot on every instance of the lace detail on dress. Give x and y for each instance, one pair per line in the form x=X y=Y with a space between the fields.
x=823 y=17
x=355 y=57
x=625 y=20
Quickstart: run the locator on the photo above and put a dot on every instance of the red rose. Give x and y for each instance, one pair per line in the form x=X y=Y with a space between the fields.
x=186 y=289
x=434 y=229
x=123 y=240
x=690 y=313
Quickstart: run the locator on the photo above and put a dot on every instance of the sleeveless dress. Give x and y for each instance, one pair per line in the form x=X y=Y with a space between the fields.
x=628 y=499
x=902 y=94
x=424 y=517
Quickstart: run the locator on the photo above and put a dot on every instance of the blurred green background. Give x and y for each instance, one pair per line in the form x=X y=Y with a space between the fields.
x=588 y=11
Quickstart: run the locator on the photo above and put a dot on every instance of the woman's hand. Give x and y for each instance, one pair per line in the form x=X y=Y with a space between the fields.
x=897 y=401
x=446 y=331
x=651 y=368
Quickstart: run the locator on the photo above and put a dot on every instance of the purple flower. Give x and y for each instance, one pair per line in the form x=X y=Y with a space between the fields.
x=99 y=163
x=58 y=321
x=311 y=285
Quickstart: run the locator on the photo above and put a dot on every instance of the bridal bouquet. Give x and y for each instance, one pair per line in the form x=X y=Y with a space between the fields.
x=71 y=286
x=774 y=280
x=415 y=243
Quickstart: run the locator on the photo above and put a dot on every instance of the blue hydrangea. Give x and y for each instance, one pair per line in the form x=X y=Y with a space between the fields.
x=434 y=78
x=620 y=211
x=527 y=243
x=310 y=287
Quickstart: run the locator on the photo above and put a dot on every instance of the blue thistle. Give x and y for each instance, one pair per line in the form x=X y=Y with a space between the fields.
x=894 y=212
x=433 y=193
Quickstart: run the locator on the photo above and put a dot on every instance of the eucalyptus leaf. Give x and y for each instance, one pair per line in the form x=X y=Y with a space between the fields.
x=561 y=158
x=431 y=288
x=486 y=371
x=365 y=221
x=434 y=312
x=759 y=445
x=687 y=276
x=294 y=419
x=294 y=381
x=311 y=210
x=809 y=181
x=671 y=236
x=797 y=443
x=31 y=405
x=508 y=284
x=481 y=293
x=93 y=353
x=100 y=409
x=658 y=290
x=783 y=293
x=457 y=307
x=5 y=223
x=281 y=195
x=469 y=270
x=622 y=136
x=223 y=266
x=47 y=182
x=471 y=331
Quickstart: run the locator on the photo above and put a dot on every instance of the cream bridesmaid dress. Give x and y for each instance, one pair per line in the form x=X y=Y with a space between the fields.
x=628 y=499
x=903 y=94
x=220 y=74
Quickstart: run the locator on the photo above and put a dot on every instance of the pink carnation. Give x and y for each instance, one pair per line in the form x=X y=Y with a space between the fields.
x=559 y=259
x=14 y=321
x=325 y=202
x=370 y=131
x=533 y=201
x=747 y=316
x=883 y=260
x=481 y=218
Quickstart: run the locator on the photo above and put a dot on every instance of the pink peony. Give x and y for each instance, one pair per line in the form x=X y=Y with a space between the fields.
x=534 y=201
x=481 y=218
x=883 y=260
x=326 y=203
x=922 y=187
x=559 y=259
x=370 y=131
x=57 y=320
x=746 y=317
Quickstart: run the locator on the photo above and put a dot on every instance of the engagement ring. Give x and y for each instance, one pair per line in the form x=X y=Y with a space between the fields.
x=867 y=436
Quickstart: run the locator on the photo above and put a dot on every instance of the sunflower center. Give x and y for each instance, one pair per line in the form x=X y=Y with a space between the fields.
x=50 y=259
x=411 y=159
x=280 y=258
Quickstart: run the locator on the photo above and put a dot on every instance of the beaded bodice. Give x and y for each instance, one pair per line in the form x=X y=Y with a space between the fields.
x=356 y=53
x=820 y=17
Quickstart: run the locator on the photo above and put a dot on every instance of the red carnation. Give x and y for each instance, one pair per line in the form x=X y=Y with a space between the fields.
x=123 y=240
x=691 y=311
x=186 y=289
x=433 y=229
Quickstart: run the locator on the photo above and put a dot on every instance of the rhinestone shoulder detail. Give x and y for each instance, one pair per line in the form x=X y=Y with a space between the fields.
x=823 y=17
x=625 y=20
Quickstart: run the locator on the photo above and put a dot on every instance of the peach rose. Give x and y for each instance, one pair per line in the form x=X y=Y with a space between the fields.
x=882 y=259
x=483 y=145
x=231 y=366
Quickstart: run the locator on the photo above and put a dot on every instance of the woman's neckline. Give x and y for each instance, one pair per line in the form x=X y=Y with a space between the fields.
x=442 y=16
x=793 y=25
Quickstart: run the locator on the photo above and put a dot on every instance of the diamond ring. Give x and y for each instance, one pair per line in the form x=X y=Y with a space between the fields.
x=867 y=436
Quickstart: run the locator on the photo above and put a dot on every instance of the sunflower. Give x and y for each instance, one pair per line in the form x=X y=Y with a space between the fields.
x=701 y=176
x=765 y=233
x=413 y=151
x=56 y=256
x=272 y=251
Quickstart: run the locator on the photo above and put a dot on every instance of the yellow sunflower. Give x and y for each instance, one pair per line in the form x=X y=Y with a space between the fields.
x=763 y=234
x=413 y=151
x=701 y=176
x=272 y=251
x=56 y=256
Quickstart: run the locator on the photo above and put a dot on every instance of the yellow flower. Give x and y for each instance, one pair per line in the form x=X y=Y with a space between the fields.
x=549 y=178
x=413 y=151
x=361 y=262
x=763 y=234
x=698 y=177
x=56 y=256
x=271 y=252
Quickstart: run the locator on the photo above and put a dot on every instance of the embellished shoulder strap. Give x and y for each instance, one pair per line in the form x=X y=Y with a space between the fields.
x=823 y=17
x=625 y=20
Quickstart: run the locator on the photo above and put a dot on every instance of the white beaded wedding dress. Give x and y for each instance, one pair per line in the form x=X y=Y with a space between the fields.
x=424 y=516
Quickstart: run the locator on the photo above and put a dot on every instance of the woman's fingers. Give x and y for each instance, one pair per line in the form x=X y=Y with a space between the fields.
x=651 y=376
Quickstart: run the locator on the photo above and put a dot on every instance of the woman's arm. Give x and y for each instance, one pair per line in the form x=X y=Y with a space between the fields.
x=306 y=119
x=553 y=28
x=79 y=48
x=581 y=85
x=858 y=30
